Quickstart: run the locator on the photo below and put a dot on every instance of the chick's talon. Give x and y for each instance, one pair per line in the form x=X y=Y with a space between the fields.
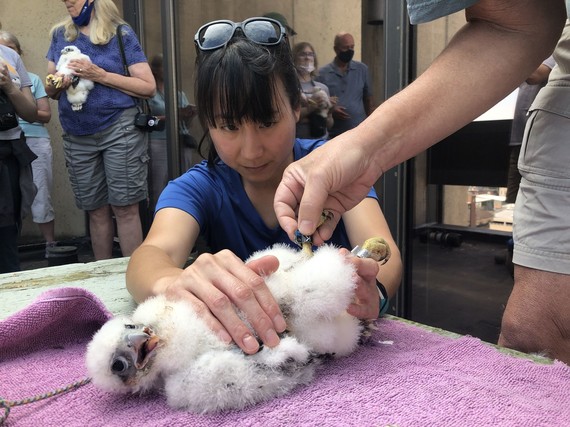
x=325 y=216
x=378 y=249
x=53 y=80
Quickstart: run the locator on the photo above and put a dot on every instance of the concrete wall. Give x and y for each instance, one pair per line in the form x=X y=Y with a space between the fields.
x=30 y=20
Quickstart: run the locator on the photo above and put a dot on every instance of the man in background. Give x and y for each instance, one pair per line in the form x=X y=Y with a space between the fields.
x=349 y=84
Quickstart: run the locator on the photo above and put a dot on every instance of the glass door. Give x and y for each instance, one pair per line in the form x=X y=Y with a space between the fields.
x=458 y=249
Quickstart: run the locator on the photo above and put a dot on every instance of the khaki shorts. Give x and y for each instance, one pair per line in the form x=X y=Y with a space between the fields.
x=109 y=167
x=542 y=210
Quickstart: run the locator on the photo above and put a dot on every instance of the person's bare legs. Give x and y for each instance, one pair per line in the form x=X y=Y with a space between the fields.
x=48 y=230
x=129 y=227
x=537 y=316
x=101 y=229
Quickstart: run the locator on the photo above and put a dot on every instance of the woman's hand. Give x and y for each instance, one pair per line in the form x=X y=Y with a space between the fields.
x=21 y=98
x=87 y=70
x=5 y=81
x=215 y=284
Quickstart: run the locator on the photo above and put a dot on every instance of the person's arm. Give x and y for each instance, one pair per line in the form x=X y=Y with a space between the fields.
x=140 y=83
x=21 y=98
x=44 y=110
x=499 y=46
x=364 y=221
x=213 y=284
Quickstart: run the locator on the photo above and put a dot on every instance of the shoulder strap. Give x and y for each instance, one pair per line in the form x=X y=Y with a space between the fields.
x=145 y=106
x=122 y=49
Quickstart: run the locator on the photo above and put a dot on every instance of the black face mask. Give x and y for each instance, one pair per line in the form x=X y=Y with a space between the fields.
x=346 y=56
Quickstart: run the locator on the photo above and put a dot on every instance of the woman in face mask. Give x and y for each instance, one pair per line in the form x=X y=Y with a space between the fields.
x=316 y=103
x=105 y=153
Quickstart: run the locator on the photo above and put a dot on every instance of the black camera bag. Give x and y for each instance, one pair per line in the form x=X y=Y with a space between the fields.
x=8 y=116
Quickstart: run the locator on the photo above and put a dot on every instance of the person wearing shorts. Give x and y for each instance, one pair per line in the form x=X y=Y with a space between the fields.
x=38 y=139
x=106 y=155
x=537 y=316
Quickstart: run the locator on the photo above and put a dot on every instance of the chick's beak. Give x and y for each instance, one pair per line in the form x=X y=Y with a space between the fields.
x=141 y=344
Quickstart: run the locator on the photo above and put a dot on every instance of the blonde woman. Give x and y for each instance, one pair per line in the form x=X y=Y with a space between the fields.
x=106 y=154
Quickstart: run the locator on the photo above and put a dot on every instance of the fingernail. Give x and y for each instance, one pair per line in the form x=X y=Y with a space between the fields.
x=271 y=338
x=279 y=323
x=250 y=344
x=307 y=227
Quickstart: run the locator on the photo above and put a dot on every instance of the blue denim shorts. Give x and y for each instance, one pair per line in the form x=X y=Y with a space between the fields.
x=108 y=167
x=542 y=210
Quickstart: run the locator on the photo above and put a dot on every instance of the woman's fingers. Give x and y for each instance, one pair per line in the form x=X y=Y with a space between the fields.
x=223 y=283
x=263 y=267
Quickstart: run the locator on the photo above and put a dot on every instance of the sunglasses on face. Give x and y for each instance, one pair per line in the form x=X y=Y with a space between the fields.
x=217 y=34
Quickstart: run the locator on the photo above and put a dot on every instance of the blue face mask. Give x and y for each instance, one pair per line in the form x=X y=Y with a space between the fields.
x=84 y=16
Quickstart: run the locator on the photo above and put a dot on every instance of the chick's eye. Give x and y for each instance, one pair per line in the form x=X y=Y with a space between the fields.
x=119 y=365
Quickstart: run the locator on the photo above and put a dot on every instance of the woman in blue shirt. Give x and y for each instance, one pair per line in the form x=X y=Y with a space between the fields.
x=248 y=98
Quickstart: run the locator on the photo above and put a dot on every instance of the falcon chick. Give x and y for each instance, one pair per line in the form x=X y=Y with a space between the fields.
x=165 y=346
x=79 y=89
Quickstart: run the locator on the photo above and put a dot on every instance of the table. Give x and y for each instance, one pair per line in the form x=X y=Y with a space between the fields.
x=105 y=279
x=409 y=375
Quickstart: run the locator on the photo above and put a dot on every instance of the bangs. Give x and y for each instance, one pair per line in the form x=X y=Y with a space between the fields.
x=236 y=90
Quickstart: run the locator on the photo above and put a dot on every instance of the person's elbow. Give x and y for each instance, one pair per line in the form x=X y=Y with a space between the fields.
x=148 y=91
x=151 y=91
x=44 y=116
x=534 y=26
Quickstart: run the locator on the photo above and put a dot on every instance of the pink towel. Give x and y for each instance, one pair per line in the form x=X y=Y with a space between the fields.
x=421 y=379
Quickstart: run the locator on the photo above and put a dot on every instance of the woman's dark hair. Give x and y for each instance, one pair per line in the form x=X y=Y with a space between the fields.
x=240 y=82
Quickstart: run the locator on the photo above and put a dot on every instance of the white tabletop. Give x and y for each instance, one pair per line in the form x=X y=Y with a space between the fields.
x=105 y=279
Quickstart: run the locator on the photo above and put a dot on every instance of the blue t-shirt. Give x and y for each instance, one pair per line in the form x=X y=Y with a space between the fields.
x=422 y=11
x=215 y=197
x=104 y=104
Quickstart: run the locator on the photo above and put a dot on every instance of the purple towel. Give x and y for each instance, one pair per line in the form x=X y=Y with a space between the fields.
x=421 y=379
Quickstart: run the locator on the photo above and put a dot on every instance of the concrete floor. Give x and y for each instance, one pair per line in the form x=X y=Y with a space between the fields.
x=33 y=256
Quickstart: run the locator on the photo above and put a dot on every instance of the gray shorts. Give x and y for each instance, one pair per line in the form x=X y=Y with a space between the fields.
x=542 y=210
x=109 y=167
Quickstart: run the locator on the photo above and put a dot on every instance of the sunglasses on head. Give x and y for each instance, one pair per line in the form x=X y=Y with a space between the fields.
x=217 y=34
